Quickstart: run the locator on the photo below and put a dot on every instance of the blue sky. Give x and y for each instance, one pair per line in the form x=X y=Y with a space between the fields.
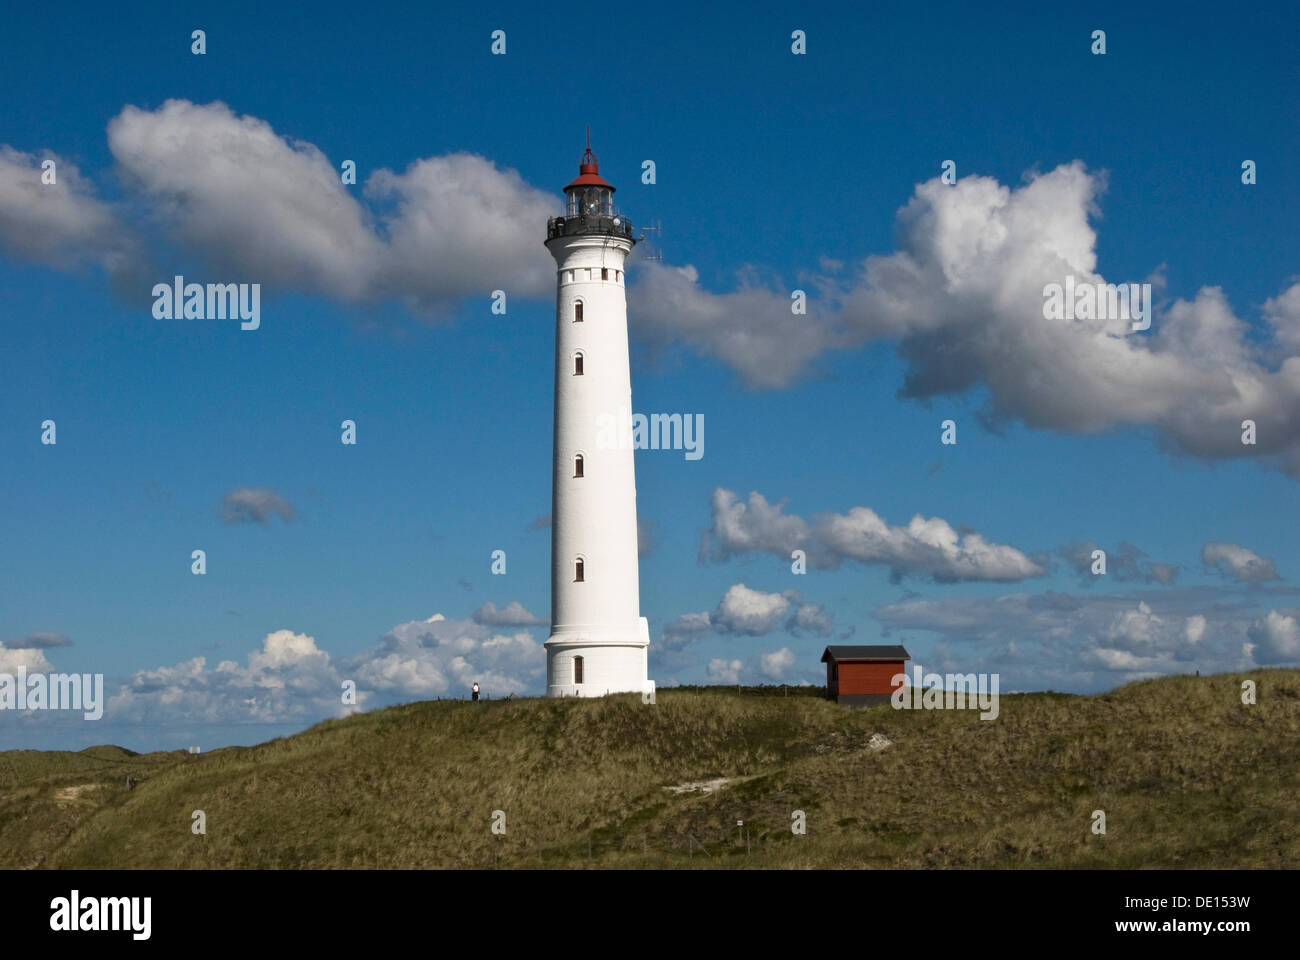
x=774 y=172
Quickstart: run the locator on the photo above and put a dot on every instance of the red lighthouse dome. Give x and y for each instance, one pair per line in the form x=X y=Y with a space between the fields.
x=589 y=171
x=589 y=205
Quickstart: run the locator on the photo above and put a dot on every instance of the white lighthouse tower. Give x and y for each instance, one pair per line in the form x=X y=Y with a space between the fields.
x=599 y=640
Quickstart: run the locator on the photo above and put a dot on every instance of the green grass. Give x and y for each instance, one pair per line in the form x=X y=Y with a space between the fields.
x=1186 y=774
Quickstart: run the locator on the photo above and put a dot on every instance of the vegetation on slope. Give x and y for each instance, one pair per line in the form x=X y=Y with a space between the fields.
x=1187 y=775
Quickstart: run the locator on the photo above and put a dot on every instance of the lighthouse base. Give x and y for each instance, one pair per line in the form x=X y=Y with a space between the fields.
x=593 y=662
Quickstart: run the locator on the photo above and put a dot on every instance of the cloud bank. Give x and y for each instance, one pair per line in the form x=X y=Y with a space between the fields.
x=961 y=296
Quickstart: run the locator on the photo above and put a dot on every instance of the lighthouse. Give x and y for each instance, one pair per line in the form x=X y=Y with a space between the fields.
x=599 y=641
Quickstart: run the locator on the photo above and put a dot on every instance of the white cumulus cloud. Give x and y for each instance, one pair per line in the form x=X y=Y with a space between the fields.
x=1275 y=639
x=722 y=670
x=753 y=612
x=513 y=613
x=928 y=547
x=250 y=505
x=776 y=664
x=61 y=224
x=1237 y=562
x=962 y=297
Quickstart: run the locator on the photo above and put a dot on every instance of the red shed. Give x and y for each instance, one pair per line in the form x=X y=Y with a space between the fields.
x=860 y=676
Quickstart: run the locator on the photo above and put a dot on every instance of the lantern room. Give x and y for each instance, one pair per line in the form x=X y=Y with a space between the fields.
x=589 y=195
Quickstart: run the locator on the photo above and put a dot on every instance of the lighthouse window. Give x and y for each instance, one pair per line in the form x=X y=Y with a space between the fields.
x=577 y=312
x=577 y=364
x=618 y=276
x=577 y=669
x=578 y=570
x=604 y=273
x=577 y=465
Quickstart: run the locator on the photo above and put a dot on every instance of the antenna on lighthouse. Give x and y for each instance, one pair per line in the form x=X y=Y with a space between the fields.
x=642 y=239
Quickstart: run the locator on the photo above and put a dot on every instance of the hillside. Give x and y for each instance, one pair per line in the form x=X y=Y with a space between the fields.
x=1186 y=774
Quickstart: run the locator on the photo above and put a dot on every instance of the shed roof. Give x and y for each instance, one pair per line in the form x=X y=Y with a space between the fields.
x=886 y=652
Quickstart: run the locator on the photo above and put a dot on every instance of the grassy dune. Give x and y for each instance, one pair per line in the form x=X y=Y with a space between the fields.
x=1186 y=774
